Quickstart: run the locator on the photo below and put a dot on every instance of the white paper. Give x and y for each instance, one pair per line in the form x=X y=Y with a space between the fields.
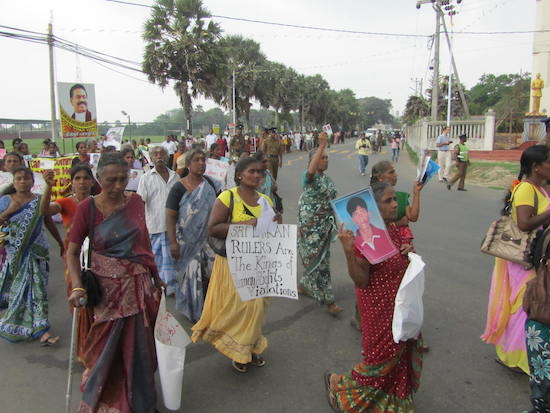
x=328 y=129
x=47 y=163
x=408 y=313
x=263 y=266
x=265 y=222
x=217 y=169
x=170 y=342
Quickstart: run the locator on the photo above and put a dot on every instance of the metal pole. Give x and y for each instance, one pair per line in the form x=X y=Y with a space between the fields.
x=435 y=82
x=52 y=82
x=457 y=78
x=234 y=102
x=130 y=128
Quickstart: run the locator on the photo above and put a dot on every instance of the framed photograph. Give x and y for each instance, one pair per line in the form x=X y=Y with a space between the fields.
x=133 y=180
x=359 y=213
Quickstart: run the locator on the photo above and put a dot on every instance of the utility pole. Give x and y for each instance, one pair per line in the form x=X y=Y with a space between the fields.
x=234 y=103
x=435 y=81
x=52 y=81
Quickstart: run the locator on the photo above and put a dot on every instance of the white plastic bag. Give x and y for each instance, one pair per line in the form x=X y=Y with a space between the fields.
x=408 y=313
x=170 y=341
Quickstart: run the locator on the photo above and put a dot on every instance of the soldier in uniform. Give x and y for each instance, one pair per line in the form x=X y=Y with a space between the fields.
x=237 y=143
x=272 y=147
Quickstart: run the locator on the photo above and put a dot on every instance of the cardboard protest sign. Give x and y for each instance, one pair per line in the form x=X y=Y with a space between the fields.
x=359 y=213
x=328 y=129
x=216 y=169
x=77 y=109
x=6 y=179
x=133 y=180
x=62 y=173
x=263 y=265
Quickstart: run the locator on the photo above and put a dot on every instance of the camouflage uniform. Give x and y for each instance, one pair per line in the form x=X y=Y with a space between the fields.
x=237 y=145
x=271 y=146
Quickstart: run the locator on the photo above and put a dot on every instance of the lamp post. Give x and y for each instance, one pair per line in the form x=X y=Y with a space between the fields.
x=129 y=124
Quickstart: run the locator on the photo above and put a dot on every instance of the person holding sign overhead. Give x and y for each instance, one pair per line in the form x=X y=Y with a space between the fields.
x=315 y=228
x=231 y=325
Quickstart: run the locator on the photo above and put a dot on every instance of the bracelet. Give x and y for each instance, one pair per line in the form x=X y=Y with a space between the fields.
x=78 y=289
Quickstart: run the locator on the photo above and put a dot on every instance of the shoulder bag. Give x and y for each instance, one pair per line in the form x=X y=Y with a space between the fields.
x=89 y=279
x=536 y=300
x=505 y=240
x=218 y=244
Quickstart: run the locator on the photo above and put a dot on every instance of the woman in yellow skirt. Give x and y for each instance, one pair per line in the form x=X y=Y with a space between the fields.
x=231 y=325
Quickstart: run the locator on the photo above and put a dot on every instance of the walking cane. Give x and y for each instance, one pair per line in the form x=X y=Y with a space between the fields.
x=71 y=356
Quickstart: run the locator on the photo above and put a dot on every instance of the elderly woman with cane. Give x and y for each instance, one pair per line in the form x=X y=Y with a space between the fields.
x=120 y=342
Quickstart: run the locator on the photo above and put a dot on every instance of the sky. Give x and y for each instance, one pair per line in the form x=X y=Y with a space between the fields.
x=381 y=66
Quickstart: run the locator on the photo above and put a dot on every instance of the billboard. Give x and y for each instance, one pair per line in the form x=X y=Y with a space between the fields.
x=78 y=110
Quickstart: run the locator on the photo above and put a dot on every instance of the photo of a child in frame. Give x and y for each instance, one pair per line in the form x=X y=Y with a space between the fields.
x=359 y=213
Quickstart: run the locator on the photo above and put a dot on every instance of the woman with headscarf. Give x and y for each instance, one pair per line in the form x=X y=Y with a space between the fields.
x=119 y=358
x=187 y=211
x=389 y=375
x=316 y=228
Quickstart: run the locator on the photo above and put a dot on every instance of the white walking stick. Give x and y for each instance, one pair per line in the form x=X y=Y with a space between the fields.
x=71 y=356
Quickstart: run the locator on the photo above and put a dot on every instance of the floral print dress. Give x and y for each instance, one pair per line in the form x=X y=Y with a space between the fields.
x=316 y=229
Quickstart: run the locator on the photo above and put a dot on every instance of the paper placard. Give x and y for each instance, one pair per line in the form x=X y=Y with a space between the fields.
x=62 y=174
x=263 y=265
x=328 y=129
x=216 y=169
x=47 y=164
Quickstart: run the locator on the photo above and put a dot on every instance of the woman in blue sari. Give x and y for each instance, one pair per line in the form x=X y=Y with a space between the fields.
x=187 y=211
x=24 y=275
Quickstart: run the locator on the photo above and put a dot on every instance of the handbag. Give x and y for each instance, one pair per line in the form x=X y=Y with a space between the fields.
x=218 y=244
x=505 y=240
x=536 y=300
x=89 y=279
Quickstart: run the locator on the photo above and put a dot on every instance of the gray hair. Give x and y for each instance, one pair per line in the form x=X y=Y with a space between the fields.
x=110 y=158
x=191 y=154
x=378 y=169
x=378 y=189
x=159 y=148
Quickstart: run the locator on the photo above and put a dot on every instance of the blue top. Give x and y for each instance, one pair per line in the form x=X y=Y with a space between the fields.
x=441 y=139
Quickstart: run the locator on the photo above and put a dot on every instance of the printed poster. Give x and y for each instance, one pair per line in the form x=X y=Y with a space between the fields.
x=328 y=129
x=6 y=179
x=133 y=180
x=62 y=174
x=359 y=213
x=426 y=169
x=113 y=137
x=77 y=108
x=263 y=265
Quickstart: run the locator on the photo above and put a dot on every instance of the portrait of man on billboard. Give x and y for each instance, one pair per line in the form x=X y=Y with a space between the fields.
x=79 y=102
x=78 y=110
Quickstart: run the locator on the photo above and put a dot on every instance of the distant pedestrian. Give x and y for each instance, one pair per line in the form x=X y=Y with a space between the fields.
x=462 y=163
x=444 y=154
x=395 y=148
x=363 y=148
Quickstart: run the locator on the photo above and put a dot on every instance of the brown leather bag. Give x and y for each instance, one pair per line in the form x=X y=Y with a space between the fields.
x=536 y=300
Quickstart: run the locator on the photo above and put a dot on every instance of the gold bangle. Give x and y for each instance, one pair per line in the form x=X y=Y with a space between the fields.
x=78 y=289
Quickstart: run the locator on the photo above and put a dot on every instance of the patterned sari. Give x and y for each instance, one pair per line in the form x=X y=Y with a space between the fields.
x=390 y=372
x=315 y=231
x=120 y=358
x=24 y=275
x=194 y=266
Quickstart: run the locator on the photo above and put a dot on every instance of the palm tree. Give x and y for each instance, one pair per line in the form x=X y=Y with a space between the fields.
x=182 y=46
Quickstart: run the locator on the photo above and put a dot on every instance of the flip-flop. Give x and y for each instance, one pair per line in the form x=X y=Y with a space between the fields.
x=50 y=341
x=330 y=400
x=257 y=360
x=241 y=368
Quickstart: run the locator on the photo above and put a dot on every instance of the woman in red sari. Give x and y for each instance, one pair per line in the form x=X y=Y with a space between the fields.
x=390 y=372
x=119 y=358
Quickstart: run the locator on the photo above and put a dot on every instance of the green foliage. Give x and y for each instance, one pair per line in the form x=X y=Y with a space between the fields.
x=416 y=107
x=373 y=110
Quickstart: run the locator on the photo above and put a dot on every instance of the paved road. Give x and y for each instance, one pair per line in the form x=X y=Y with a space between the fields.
x=459 y=374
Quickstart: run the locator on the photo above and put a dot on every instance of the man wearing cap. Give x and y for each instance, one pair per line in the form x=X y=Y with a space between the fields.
x=444 y=154
x=273 y=149
x=462 y=162
x=237 y=143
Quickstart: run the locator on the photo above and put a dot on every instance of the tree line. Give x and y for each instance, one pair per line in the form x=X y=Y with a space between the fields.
x=186 y=49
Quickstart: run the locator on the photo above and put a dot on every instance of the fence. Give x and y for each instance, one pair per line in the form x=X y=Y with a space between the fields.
x=479 y=129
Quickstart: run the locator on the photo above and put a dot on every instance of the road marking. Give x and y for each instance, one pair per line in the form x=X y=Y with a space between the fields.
x=294 y=160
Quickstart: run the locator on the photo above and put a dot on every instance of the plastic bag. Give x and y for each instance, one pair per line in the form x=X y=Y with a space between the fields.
x=408 y=313
x=170 y=341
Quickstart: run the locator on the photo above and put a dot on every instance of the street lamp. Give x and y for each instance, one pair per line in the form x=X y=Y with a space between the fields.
x=129 y=124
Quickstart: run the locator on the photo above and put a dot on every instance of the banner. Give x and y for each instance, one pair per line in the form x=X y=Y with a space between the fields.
x=263 y=265
x=62 y=173
x=77 y=110
x=216 y=169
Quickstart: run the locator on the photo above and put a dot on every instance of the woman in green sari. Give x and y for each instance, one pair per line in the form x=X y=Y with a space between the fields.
x=316 y=228
x=24 y=276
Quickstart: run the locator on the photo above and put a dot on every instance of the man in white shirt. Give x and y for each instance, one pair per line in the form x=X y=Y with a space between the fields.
x=171 y=147
x=210 y=139
x=444 y=154
x=154 y=187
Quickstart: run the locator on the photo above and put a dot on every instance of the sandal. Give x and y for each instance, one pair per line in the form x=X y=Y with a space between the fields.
x=512 y=369
x=47 y=340
x=334 y=309
x=257 y=360
x=330 y=395
x=241 y=368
